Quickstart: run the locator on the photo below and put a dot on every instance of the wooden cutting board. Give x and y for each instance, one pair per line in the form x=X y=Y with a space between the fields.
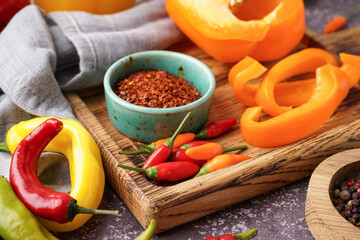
x=174 y=204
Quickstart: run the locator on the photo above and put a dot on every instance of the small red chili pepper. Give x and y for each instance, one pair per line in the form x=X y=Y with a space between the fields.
x=221 y=161
x=240 y=236
x=216 y=128
x=193 y=144
x=56 y=206
x=350 y=182
x=180 y=156
x=167 y=171
x=209 y=150
x=164 y=151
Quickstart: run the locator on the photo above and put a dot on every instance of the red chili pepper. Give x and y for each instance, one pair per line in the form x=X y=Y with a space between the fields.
x=167 y=171
x=44 y=202
x=193 y=144
x=216 y=128
x=240 y=236
x=209 y=150
x=221 y=161
x=180 y=156
x=164 y=151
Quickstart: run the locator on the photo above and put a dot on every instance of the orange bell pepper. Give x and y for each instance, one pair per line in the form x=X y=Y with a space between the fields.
x=331 y=88
x=91 y=6
x=264 y=29
x=292 y=93
x=351 y=66
x=301 y=62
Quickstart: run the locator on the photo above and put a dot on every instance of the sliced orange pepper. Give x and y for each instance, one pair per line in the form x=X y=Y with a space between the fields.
x=212 y=26
x=351 y=66
x=292 y=93
x=301 y=62
x=331 y=88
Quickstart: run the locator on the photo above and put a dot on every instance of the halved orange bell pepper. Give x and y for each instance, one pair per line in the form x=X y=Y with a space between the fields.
x=331 y=88
x=266 y=29
x=92 y=6
x=301 y=62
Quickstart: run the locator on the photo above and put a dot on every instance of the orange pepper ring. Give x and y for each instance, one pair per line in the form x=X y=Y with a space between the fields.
x=331 y=88
x=301 y=62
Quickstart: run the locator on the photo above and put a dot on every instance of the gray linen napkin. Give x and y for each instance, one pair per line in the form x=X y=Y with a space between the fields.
x=41 y=56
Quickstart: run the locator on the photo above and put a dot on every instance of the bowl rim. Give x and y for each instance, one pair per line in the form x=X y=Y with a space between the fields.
x=163 y=53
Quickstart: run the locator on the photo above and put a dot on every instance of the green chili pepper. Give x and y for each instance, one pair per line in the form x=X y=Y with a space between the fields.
x=149 y=232
x=16 y=221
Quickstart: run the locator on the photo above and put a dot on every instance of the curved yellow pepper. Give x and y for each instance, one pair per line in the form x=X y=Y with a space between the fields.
x=86 y=169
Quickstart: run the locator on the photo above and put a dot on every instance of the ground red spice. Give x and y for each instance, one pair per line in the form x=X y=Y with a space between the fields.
x=156 y=89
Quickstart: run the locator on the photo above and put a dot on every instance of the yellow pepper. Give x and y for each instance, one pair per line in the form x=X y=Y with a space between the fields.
x=86 y=169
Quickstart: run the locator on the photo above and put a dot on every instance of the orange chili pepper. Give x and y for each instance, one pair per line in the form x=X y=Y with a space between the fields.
x=331 y=88
x=204 y=152
x=267 y=33
x=301 y=62
x=180 y=140
x=339 y=22
x=209 y=150
x=221 y=161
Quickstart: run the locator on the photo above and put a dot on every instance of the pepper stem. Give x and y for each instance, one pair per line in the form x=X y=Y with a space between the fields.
x=247 y=235
x=170 y=143
x=150 y=172
x=74 y=209
x=225 y=150
x=142 y=151
x=3 y=147
x=203 y=134
x=149 y=231
x=149 y=147
x=351 y=12
x=203 y=170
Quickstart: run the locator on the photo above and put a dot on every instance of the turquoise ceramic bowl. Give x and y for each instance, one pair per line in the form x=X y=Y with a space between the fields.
x=150 y=124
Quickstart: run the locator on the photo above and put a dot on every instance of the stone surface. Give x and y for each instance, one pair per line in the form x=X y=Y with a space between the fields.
x=278 y=214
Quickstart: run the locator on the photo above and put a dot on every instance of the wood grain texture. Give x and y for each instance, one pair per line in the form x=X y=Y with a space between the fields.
x=174 y=204
x=324 y=222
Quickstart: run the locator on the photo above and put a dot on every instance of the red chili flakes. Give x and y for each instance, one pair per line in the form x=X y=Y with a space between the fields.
x=156 y=89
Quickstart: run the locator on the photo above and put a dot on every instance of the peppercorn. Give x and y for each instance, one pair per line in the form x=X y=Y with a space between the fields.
x=354 y=195
x=351 y=220
x=346 y=200
x=345 y=195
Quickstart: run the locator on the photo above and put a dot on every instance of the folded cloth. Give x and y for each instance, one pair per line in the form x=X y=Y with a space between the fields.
x=43 y=56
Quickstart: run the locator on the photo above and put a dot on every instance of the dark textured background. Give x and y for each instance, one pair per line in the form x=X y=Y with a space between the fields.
x=278 y=214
